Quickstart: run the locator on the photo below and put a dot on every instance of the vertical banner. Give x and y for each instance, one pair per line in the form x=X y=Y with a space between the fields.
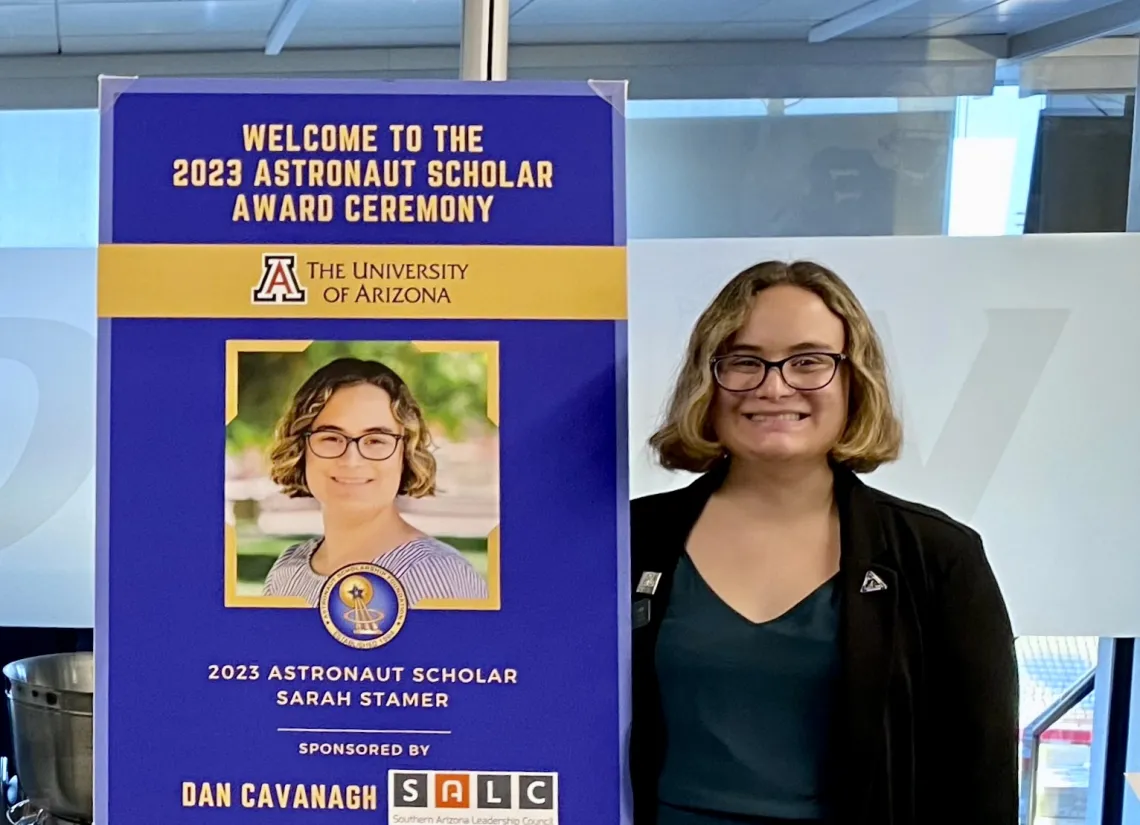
x=362 y=485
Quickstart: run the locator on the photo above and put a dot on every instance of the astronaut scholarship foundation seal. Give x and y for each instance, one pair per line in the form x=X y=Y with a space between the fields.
x=363 y=606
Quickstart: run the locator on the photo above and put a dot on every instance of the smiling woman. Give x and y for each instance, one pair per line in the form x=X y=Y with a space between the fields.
x=354 y=438
x=790 y=618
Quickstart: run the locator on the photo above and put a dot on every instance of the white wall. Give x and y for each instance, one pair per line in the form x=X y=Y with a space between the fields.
x=1014 y=359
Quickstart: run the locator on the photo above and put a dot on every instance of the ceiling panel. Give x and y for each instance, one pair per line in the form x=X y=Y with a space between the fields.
x=1041 y=8
x=1007 y=16
x=760 y=30
x=804 y=11
x=777 y=19
x=585 y=12
x=991 y=16
x=103 y=26
x=963 y=27
x=923 y=15
x=1006 y=19
x=1024 y=16
x=377 y=37
x=379 y=14
x=792 y=18
x=944 y=9
x=185 y=42
x=155 y=17
x=898 y=26
x=815 y=11
x=27 y=21
x=558 y=33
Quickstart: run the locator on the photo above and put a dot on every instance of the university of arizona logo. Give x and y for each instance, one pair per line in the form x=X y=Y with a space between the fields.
x=872 y=583
x=279 y=283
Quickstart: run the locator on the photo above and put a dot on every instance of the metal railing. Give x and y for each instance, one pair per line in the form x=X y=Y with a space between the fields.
x=1031 y=740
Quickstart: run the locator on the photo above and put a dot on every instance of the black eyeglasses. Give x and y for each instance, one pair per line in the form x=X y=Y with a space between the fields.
x=372 y=446
x=804 y=371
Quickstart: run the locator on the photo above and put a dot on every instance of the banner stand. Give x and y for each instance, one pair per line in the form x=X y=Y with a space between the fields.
x=362 y=486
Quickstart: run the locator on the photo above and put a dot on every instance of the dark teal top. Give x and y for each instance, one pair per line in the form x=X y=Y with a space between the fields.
x=747 y=706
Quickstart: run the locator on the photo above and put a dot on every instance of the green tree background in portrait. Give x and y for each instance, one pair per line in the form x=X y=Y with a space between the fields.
x=451 y=388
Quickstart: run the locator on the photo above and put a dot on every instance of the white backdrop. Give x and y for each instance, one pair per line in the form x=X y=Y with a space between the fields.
x=47 y=437
x=1016 y=362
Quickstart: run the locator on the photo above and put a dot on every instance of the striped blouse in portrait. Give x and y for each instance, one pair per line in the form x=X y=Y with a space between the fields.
x=426 y=567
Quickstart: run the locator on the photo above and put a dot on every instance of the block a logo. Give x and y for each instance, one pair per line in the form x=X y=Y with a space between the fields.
x=455 y=793
x=452 y=790
x=279 y=282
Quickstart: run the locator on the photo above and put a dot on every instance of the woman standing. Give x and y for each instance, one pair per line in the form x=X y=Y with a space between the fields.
x=807 y=648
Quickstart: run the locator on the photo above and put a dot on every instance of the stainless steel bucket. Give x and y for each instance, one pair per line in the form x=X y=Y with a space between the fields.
x=50 y=701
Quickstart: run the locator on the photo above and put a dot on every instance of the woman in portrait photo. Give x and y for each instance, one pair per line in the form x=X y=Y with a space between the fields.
x=354 y=438
x=806 y=648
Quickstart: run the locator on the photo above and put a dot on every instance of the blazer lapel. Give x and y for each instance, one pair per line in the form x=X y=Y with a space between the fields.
x=870 y=598
x=653 y=572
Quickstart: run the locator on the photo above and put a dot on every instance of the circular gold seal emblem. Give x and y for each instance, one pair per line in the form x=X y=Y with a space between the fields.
x=363 y=606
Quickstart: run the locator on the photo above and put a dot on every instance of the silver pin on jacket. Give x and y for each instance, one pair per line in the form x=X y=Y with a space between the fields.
x=647 y=585
x=872 y=583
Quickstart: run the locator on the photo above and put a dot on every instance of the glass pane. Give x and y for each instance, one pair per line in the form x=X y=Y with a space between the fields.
x=1011 y=162
x=49 y=178
x=789 y=168
x=1048 y=667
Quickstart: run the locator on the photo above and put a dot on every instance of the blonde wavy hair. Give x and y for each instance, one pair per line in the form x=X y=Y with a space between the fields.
x=287 y=455
x=873 y=434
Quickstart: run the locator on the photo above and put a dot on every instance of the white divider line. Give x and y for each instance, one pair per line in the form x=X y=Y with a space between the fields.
x=366 y=730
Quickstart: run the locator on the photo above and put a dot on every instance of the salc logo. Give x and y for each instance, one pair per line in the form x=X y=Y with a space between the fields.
x=279 y=282
x=456 y=793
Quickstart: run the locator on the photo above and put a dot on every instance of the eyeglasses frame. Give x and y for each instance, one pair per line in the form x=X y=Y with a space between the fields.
x=838 y=357
x=350 y=441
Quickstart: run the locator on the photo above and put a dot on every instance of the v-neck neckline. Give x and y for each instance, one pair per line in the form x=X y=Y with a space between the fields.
x=794 y=610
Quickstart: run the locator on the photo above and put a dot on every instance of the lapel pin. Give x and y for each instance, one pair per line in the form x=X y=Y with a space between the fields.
x=641 y=613
x=647 y=585
x=872 y=583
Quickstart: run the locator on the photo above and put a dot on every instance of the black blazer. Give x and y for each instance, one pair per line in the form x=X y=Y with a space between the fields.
x=926 y=729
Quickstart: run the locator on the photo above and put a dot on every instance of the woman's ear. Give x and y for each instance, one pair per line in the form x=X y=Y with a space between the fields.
x=302 y=481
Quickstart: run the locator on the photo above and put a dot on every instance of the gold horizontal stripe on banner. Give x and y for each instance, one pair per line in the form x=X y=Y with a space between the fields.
x=283 y=281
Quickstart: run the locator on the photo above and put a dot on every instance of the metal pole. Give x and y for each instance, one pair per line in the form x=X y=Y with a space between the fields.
x=483 y=42
x=1102 y=715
